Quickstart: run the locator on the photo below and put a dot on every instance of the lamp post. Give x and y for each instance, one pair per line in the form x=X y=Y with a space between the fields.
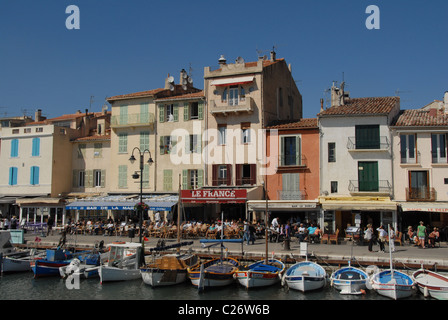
x=136 y=176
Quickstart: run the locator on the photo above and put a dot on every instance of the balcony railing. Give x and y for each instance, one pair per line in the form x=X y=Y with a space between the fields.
x=381 y=144
x=421 y=194
x=380 y=186
x=135 y=119
x=224 y=108
x=286 y=161
x=291 y=194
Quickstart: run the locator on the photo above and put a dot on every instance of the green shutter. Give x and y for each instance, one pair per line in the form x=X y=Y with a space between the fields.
x=187 y=144
x=176 y=112
x=162 y=145
x=186 y=111
x=103 y=178
x=198 y=143
x=89 y=179
x=122 y=176
x=201 y=110
x=185 y=180
x=173 y=144
x=146 y=176
x=200 y=178
x=161 y=113
x=167 y=180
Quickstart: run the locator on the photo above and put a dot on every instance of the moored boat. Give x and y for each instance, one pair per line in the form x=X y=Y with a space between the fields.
x=260 y=274
x=213 y=273
x=349 y=280
x=431 y=284
x=50 y=264
x=305 y=276
x=125 y=259
x=392 y=284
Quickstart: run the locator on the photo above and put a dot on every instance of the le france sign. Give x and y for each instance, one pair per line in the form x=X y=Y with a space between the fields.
x=214 y=196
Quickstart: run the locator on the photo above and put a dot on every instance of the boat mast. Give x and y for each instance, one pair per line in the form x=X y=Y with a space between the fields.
x=390 y=252
x=266 y=220
x=178 y=216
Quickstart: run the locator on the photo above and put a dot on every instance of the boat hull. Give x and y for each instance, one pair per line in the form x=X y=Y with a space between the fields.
x=42 y=268
x=111 y=274
x=158 y=277
x=349 y=280
x=431 y=284
x=400 y=287
x=215 y=274
x=12 y=265
x=305 y=276
x=260 y=274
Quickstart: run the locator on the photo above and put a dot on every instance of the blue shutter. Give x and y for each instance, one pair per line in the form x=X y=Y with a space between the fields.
x=12 y=176
x=14 y=148
x=36 y=147
x=34 y=175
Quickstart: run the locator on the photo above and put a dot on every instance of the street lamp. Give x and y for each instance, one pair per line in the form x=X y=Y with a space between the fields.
x=136 y=176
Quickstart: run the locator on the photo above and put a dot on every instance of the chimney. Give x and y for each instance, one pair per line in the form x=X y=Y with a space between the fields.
x=321 y=105
x=273 y=55
x=169 y=82
x=38 y=115
x=183 y=77
x=222 y=60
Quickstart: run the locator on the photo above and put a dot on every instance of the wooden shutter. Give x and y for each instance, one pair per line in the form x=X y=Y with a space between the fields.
x=176 y=112
x=103 y=178
x=201 y=110
x=238 y=174
x=200 y=178
x=253 y=173
x=229 y=174
x=75 y=178
x=161 y=113
x=185 y=180
x=162 y=145
x=215 y=175
x=186 y=111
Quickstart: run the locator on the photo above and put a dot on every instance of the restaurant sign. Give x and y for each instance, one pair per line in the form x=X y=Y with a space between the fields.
x=214 y=196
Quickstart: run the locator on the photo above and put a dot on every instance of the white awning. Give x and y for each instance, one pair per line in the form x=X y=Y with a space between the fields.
x=232 y=81
x=282 y=205
x=427 y=207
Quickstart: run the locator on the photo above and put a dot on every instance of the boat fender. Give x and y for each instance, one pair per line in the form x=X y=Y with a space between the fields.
x=425 y=292
x=283 y=280
x=331 y=282
x=363 y=291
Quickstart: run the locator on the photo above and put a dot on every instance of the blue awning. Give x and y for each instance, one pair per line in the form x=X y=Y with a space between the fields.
x=114 y=205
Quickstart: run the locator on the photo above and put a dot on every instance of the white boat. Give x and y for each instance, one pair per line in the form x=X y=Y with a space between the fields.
x=431 y=284
x=349 y=280
x=85 y=267
x=124 y=262
x=392 y=283
x=305 y=276
x=260 y=274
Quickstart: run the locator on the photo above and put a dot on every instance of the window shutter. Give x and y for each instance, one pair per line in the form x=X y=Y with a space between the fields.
x=238 y=174
x=187 y=144
x=198 y=143
x=14 y=148
x=253 y=173
x=145 y=176
x=200 y=178
x=186 y=111
x=161 y=113
x=103 y=178
x=201 y=110
x=167 y=180
x=298 y=150
x=89 y=179
x=176 y=112
x=185 y=180
x=36 y=147
x=229 y=174
x=282 y=151
x=162 y=145
x=215 y=175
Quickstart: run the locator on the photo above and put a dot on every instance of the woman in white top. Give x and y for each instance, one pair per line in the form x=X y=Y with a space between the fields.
x=382 y=234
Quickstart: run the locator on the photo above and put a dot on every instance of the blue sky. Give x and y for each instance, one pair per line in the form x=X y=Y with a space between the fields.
x=128 y=46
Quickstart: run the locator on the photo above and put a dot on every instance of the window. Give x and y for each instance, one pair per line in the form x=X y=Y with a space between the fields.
x=122 y=176
x=193 y=143
x=14 y=148
x=35 y=150
x=221 y=174
x=334 y=186
x=81 y=179
x=245 y=132
x=40 y=129
x=27 y=130
x=331 y=152
x=245 y=174
x=233 y=95
x=194 y=110
x=169 y=115
x=122 y=143
x=438 y=148
x=13 y=176
x=407 y=148
x=290 y=187
x=222 y=132
x=167 y=180
x=34 y=176
x=165 y=145
x=367 y=137
x=419 y=185
x=290 y=153
x=97 y=178
x=97 y=150
x=144 y=140
x=123 y=115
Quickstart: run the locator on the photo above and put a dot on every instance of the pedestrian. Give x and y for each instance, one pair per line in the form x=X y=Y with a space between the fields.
x=13 y=224
x=382 y=234
x=246 y=235
x=421 y=234
x=50 y=223
x=392 y=239
x=369 y=236
x=251 y=234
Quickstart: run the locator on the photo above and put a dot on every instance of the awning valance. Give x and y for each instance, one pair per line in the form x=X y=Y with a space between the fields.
x=279 y=205
x=426 y=207
x=358 y=203
x=232 y=81
x=122 y=203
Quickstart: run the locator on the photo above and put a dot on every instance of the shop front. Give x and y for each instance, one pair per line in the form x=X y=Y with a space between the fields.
x=434 y=214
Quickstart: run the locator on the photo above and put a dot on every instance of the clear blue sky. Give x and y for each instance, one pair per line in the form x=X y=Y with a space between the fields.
x=128 y=46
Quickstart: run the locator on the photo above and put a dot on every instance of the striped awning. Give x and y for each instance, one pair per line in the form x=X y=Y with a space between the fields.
x=232 y=81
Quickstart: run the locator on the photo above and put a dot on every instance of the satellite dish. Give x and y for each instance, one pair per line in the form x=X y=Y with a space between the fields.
x=171 y=87
x=190 y=80
x=184 y=75
x=171 y=79
x=239 y=60
x=184 y=87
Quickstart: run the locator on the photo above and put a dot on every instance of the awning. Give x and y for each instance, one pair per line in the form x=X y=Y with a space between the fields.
x=358 y=203
x=7 y=200
x=214 y=196
x=281 y=205
x=39 y=200
x=428 y=207
x=117 y=205
x=232 y=81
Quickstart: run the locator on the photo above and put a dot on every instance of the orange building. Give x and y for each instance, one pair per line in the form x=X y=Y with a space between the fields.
x=292 y=174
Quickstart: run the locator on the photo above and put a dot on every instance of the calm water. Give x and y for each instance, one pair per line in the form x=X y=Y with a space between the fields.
x=24 y=287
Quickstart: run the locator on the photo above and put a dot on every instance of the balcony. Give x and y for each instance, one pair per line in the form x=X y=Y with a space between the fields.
x=370 y=187
x=132 y=120
x=421 y=194
x=291 y=194
x=287 y=162
x=232 y=107
x=383 y=144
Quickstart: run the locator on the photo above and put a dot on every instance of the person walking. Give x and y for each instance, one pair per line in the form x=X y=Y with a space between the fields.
x=382 y=234
x=421 y=234
x=369 y=236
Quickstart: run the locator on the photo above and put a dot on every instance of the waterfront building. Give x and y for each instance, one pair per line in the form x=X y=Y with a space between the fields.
x=356 y=179
x=292 y=180
x=242 y=99
x=419 y=139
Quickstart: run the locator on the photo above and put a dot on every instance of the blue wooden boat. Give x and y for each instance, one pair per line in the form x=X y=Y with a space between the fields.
x=305 y=276
x=260 y=274
x=49 y=266
x=393 y=284
x=349 y=280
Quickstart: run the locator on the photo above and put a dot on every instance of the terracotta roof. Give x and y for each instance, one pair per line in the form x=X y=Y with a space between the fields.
x=66 y=117
x=137 y=94
x=363 y=106
x=308 y=123
x=199 y=94
x=422 y=118
x=94 y=138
